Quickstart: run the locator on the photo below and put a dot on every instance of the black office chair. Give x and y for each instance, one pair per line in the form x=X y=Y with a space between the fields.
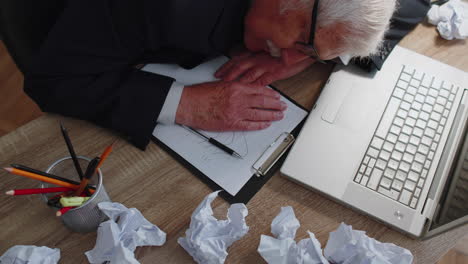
x=24 y=25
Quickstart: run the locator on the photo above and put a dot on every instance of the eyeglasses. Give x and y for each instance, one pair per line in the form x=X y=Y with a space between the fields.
x=309 y=48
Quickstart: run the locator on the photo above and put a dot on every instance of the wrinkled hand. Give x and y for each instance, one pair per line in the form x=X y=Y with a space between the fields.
x=259 y=68
x=229 y=106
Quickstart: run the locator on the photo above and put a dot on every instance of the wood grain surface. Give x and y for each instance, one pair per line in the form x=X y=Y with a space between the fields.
x=16 y=108
x=167 y=193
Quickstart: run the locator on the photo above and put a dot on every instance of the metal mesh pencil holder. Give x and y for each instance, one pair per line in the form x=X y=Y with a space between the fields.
x=87 y=217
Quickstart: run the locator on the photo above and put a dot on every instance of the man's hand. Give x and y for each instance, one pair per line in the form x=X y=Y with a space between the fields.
x=259 y=68
x=224 y=106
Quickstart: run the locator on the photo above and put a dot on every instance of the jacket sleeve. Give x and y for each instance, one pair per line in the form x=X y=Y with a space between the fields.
x=86 y=68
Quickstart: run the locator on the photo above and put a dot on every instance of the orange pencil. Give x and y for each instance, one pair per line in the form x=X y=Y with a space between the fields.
x=38 y=177
x=90 y=170
x=104 y=155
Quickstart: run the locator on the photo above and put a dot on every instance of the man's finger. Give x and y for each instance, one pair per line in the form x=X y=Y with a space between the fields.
x=265 y=91
x=246 y=125
x=266 y=102
x=270 y=77
x=224 y=68
x=266 y=79
x=232 y=62
x=251 y=75
x=299 y=67
x=263 y=115
x=237 y=70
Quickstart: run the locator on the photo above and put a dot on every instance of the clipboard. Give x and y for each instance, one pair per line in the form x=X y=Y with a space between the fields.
x=265 y=166
x=213 y=166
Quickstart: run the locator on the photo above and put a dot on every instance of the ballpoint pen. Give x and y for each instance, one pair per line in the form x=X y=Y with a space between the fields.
x=215 y=143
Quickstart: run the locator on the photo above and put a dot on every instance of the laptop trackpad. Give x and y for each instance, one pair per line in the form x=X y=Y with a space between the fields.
x=335 y=103
x=353 y=107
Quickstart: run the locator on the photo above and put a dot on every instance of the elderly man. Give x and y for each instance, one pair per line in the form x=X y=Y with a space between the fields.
x=87 y=66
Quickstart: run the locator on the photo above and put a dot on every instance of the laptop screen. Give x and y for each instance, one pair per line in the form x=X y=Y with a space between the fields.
x=454 y=204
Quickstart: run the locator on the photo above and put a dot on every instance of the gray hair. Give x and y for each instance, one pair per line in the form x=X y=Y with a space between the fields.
x=364 y=21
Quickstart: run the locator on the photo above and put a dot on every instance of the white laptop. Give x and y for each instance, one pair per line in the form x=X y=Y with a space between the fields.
x=390 y=144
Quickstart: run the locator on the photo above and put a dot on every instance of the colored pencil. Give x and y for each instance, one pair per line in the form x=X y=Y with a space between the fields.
x=38 y=190
x=72 y=151
x=42 y=178
x=104 y=155
x=63 y=210
x=90 y=170
x=24 y=168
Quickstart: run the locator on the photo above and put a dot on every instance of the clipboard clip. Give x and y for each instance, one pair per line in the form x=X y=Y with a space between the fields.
x=272 y=154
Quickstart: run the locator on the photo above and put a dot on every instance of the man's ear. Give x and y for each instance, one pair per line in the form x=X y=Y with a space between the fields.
x=331 y=40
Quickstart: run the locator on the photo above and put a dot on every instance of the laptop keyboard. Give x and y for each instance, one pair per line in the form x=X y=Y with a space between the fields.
x=397 y=161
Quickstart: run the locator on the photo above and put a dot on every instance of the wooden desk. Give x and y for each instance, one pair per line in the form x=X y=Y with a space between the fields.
x=167 y=193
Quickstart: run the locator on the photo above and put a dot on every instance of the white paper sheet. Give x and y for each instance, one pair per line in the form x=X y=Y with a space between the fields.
x=118 y=237
x=208 y=238
x=228 y=172
x=30 y=255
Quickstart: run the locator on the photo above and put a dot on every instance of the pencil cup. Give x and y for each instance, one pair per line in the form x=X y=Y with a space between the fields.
x=87 y=217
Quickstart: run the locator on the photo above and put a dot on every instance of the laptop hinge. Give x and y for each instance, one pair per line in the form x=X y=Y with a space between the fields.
x=427 y=209
x=430 y=207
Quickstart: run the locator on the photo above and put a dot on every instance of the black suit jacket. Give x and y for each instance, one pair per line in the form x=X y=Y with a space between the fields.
x=86 y=66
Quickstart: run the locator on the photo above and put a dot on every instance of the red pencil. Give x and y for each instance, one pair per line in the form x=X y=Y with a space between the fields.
x=63 y=210
x=39 y=190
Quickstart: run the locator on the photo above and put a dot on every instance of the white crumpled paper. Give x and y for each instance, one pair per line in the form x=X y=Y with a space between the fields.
x=451 y=19
x=283 y=249
x=345 y=246
x=208 y=238
x=30 y=255
x=118 y=237
x=349 y=246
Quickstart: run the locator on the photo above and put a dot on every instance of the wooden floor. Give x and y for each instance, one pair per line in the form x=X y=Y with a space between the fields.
x=16 y=109
x=458 y=255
